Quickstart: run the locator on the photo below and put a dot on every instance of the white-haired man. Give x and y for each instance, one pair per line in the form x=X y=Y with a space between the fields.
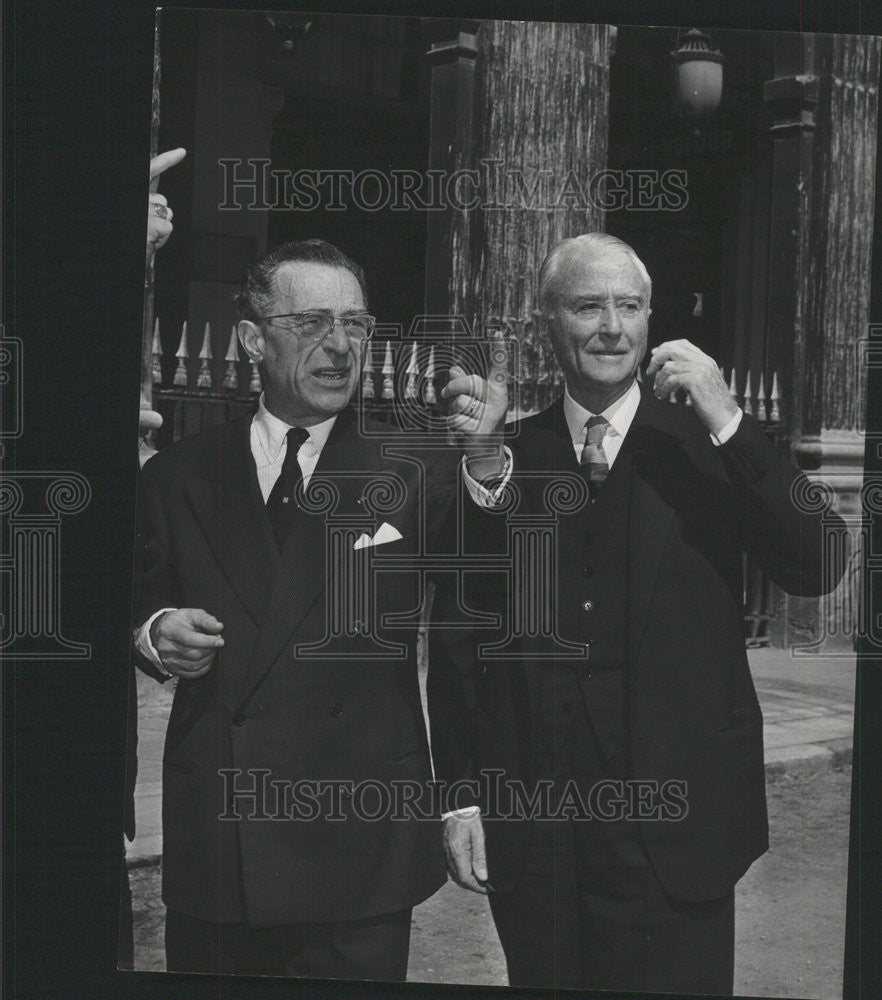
x=652 y=745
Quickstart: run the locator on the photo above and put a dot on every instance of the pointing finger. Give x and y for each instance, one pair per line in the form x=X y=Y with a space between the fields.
x=160 y=163
x=498 y=373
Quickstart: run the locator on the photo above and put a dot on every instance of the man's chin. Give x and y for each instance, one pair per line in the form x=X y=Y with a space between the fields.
x=609 y=375
x=331 y=400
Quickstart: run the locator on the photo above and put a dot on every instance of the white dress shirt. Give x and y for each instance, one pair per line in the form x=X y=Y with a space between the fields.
x=269 y=444
x=620 y=415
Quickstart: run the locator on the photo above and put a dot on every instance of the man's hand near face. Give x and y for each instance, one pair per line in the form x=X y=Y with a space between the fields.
x=677 y=364
x=186 y=640
x=477 y=409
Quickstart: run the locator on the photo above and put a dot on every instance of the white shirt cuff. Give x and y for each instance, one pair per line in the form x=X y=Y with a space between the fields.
x=723 y=435
x=480 y=494
x=144 y=644
x=465 y=813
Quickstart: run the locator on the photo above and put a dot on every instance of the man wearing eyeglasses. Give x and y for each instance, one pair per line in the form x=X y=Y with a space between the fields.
x=282 y=853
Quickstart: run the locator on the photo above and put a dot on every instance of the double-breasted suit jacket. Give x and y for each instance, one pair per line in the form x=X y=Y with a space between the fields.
x=314 y=683
x=681 y=512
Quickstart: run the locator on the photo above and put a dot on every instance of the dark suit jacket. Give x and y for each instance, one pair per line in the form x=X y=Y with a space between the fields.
x=692 y=711
x=270 y=709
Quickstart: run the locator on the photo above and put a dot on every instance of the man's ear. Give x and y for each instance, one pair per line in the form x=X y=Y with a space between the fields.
x=251 y=338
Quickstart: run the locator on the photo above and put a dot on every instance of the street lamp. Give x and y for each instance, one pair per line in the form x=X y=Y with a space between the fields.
x=698 y=75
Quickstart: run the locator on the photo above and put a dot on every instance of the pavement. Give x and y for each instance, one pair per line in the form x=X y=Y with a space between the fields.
x=807 y=703
x=790 y=907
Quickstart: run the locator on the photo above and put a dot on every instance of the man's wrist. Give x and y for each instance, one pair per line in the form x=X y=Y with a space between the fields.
x=728 y=429
x=486 y=493
x=151 y=631
x=486 y=463
x=467 y=812
x=145 y=641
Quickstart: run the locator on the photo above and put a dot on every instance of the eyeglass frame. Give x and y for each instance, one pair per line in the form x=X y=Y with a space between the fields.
x=334 y=320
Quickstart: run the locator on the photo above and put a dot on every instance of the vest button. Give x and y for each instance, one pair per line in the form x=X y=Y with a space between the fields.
x=336 y=710
x=588 y=571
x=588 y=606
x=238 y=718
x=585 y=675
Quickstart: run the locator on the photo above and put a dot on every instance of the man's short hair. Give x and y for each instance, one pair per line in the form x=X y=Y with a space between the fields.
x=256 y=292
x=598 y=243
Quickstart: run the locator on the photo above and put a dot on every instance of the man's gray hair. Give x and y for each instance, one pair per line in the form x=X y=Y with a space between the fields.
x=256 y=292
x=598 y=243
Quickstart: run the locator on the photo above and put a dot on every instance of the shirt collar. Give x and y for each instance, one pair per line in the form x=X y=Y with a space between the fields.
x=271 y=431
x=619 y=414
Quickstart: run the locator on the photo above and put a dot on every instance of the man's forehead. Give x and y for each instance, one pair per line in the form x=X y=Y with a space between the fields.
x=301 y=279
x=588 y=269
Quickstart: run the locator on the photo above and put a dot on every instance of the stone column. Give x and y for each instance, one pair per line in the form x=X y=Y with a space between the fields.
x=541 y=143
x=538 y=143
x=825 y=102
x=452 y=54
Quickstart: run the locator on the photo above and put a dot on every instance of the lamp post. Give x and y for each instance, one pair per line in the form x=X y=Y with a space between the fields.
x=698 y=76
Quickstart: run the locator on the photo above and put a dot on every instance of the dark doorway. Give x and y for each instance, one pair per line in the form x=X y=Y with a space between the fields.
x=703 y=237
x=354 y=123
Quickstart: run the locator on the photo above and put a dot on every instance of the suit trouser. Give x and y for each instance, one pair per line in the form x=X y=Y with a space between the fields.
x=126 y=953
x=374 y=948
x=589 y=911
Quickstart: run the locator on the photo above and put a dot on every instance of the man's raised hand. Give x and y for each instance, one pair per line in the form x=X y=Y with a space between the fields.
x=186 y=640
x=159 y=215
x=677 y=364
x=477 y=408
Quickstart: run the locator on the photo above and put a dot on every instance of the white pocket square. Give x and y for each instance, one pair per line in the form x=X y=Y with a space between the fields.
x=385 y=533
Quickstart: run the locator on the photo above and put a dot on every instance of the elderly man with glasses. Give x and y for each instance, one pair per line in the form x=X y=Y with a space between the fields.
x=297 y=711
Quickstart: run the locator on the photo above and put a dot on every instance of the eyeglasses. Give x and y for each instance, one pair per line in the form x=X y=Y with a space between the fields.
x=315 y=326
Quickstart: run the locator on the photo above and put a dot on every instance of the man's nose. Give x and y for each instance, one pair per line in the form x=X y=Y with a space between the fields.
x=337 y=339
x=610 y=321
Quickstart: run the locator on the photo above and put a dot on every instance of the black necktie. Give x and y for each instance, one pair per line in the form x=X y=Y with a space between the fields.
x=281 y=506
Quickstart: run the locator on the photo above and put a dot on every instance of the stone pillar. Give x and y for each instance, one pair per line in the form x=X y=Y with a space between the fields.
x=791 y=97
x=452 y=54
x=538 y=144
x=825 y=102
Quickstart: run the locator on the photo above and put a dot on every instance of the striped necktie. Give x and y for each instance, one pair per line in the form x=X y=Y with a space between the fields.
x=595 y=467
x=281 y=505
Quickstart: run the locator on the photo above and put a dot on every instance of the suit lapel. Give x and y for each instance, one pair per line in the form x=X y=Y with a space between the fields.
x=546 y=447
x=225 y=498
x=653 y=448
x=653 y=444
x=301 y=575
